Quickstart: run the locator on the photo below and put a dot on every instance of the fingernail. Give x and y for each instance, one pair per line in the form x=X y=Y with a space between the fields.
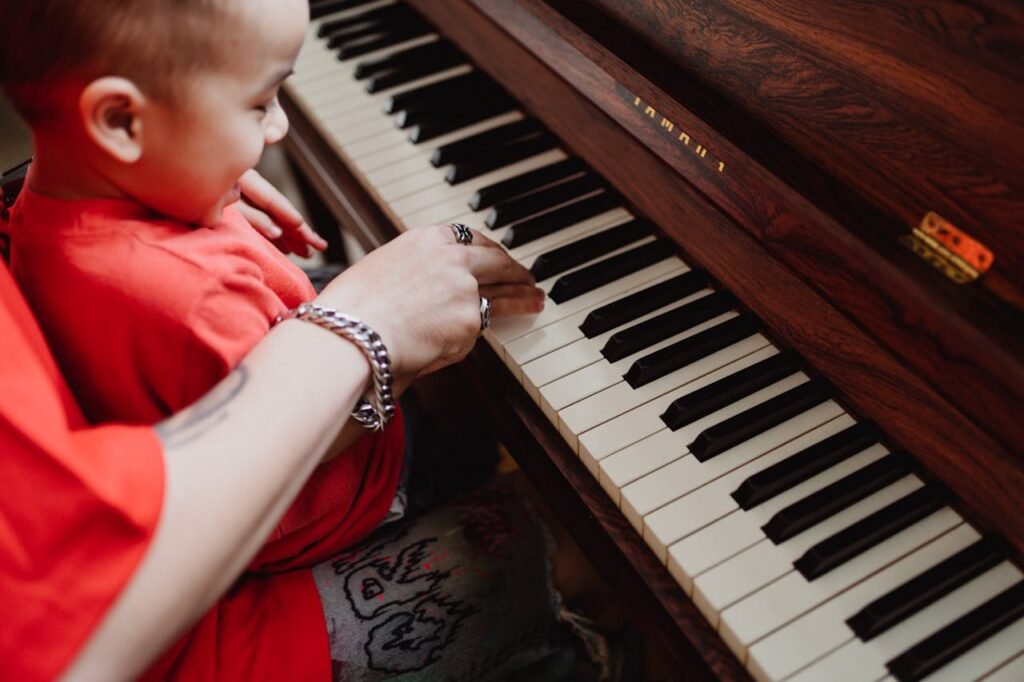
x=275 y=232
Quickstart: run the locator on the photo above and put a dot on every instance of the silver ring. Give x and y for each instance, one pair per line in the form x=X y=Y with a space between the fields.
x=485 y=313
x=463 y=235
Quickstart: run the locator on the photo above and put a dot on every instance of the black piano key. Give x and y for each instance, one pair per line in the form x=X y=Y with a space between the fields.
x=438 y=105
x=619 y=312
x=351 y=50
x=460 y=117
x=441 y=93
x=377 y=40
x=745 y=425
x=689 y=350
x=405 y=58
x=649 y=332
x=510 y=211
x=869 y=531
x=373 y=15
x=547 y=223
x=833 y=498
x=727 y=390
x=407 y=74
x=901 y=603
x=460 y=171
x=525 y=183
x=960 y=636
x=484 y=143
x=557 y=261
x=370 y=23
x=809 y=462
x=586 y=279
x=321 y=9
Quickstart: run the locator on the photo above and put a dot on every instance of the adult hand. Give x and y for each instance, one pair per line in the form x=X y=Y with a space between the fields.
x=273 y=216
x=421 y=292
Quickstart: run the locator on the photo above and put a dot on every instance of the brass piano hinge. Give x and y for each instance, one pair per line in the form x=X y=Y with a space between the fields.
x=954 y=253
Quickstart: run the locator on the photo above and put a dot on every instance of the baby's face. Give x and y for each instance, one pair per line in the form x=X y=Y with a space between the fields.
x=195 y=150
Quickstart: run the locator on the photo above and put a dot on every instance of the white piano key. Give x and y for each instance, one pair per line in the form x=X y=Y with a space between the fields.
x=339 y=115
x=598 y=376
x=314 y=25
x=598 y=444
x=713 y=501
x=429 y=176
x=782 y=601
x=319 y=82
x=618 y=398
x=858 y=660
x=392 y=155
x=346 y=132
x=697 y=552
x=653 y=472
x=1012 y=670
x=558 y=335
x=464 y=190
x=322 y=60
x=763 y=562
x=641 y=422
x=407 y=149
x=584 y=352
x=823 y=629
x=508 y=328
x=527 y=253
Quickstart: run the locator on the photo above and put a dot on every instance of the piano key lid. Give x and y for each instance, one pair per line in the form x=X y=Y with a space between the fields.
x=949 y=249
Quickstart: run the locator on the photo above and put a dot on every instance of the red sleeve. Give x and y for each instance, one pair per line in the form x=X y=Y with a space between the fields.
x=76 y=515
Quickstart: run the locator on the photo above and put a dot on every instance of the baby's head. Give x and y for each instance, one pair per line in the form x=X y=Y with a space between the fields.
x=164 y=101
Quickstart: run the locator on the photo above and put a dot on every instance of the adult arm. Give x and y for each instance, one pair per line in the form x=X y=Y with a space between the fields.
x=235 y=460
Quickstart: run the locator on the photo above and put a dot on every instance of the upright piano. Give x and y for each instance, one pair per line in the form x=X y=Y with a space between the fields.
x=776 y=389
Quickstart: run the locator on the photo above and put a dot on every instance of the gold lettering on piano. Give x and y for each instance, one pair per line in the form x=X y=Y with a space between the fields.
x=680 y=136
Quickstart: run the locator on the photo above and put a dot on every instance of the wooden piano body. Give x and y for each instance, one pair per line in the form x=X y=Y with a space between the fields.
x=790 y=149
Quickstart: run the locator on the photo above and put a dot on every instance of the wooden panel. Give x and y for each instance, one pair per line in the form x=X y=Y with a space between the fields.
x=918 y=104
x=843 y=245
x=987 y=476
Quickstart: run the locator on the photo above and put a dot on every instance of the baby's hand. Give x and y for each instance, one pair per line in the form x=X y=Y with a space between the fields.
x=273 y=216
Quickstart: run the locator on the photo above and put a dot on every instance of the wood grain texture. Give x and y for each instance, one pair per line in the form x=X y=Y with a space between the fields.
x=874 y=383
x=918 y=104
x=843 y=244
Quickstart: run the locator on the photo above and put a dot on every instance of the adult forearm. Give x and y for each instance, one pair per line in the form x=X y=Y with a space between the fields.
x=234 y=462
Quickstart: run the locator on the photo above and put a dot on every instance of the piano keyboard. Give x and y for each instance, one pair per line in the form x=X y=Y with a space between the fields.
x=816 y=552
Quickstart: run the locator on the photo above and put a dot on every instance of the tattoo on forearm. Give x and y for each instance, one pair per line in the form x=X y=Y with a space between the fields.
x=210 y=410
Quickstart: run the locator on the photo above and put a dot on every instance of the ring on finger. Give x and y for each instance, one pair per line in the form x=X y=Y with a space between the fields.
x=485 y=313
x=463 y=235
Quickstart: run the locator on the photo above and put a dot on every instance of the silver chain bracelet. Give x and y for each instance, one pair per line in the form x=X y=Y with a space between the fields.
x=376 y=412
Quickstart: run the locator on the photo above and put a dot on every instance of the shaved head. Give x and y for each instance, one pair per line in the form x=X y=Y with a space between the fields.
x=48 y=44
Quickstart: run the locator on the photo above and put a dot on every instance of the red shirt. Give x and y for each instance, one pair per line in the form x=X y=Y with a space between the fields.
x=144 y=316
x=76 y=514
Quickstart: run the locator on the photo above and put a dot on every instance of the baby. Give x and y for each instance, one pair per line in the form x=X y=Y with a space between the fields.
x=147 y=280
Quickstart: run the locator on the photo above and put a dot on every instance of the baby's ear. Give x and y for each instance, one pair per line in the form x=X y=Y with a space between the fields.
x=111 y=109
